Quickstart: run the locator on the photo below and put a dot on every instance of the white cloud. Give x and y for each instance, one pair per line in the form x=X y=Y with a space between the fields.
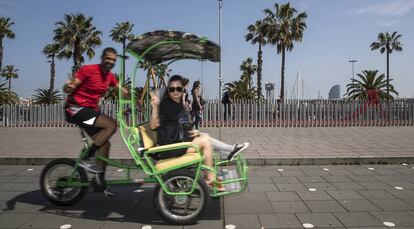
x=394 y=8
x=388 y=23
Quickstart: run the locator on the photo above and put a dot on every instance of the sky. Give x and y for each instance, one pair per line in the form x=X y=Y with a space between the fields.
x=337 y=31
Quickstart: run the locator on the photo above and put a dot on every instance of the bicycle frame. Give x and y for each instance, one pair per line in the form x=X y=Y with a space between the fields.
x=142 y=156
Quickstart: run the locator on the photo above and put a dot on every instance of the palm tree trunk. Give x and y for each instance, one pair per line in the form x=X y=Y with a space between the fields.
x=76 y=58
x=388 y=73
x=52 y=75
x=1 y=52
x=259 y=71
x=282 y=76
x=10 y=83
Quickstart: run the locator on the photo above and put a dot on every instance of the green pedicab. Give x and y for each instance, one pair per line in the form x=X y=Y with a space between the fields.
x=180 y=194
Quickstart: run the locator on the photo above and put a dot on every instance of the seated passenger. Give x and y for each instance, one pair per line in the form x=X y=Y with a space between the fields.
x=165 y=119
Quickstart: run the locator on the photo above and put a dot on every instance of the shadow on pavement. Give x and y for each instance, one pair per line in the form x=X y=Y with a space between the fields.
x=126 y=206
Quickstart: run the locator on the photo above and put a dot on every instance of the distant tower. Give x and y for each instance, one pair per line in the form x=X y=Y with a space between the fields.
x=270 y=91
x=335 y=92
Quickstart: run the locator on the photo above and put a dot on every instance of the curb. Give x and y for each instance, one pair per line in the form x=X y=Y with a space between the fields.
x=251 y=161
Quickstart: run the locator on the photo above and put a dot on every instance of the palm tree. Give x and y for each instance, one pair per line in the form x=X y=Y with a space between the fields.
x=121 y=33
x=284 y=28
x=241 y=89
x=248 y=69
x=387 y=43
x=257 y=34
x=50 y=50
x=369 y=83
x=9 y=72
x=46 y=96
x=5 y=31
x=7 y=97
x=76 y=35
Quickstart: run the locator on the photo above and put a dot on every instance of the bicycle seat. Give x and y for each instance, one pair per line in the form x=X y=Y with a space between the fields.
x=149 y=140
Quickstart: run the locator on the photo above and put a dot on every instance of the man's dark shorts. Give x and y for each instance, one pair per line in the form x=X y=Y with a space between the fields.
x=84 y=117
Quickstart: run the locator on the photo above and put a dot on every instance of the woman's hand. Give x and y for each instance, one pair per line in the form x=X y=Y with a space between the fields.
x=155 y=101
x=194 y=133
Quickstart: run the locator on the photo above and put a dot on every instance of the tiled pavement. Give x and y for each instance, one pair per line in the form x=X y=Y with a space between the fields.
x=277 y=197
x=280 y=145
x=349 y=196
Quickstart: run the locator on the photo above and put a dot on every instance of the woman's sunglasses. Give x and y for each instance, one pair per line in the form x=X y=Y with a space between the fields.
x=172 y=89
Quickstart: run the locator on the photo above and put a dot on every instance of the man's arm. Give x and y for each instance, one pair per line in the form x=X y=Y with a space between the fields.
x=125 y=92
x=71 y=85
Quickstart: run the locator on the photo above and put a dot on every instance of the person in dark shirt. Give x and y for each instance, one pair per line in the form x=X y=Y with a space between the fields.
x=165 y=118
x=197 y=106
x=226 y=101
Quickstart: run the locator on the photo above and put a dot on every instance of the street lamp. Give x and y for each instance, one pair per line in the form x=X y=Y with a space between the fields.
x=353 y=61
x=220 y=78
x=202 y=77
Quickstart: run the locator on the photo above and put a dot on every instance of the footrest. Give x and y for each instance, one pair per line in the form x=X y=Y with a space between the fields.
x=234 y=176
x=229 y=175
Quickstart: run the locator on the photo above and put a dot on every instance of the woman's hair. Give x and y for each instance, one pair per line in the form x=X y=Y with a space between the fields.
x=195 y=85
x=185 y=81
x=173 y=78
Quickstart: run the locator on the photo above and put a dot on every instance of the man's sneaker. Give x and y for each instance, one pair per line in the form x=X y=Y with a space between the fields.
x=90 y=165
x=237 y=149
x=98 y=183
x=109 y=192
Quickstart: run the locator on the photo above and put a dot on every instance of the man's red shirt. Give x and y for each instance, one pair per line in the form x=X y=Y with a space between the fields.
x=94 y=84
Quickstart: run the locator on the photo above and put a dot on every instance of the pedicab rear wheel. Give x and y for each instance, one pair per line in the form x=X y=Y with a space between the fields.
x=181 y=209
x=60 y=170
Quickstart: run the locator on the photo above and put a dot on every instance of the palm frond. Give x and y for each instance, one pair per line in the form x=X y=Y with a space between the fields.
x=45 y=96
x=369 y=81
x=76 y=35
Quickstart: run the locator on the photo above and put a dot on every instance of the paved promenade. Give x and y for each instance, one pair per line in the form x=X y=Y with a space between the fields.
x=322 y=196
x=269 y=146
x=349 y=196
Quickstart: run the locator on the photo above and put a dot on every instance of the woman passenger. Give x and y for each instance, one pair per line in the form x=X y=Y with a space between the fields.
x=165 y=119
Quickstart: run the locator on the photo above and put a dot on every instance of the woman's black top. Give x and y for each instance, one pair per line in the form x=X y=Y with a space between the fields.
x=169 y=113
x=194 y=105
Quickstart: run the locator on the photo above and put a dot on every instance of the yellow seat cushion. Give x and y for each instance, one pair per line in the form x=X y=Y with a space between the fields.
x=148 y=136
x=149 y=140
x=176 y=161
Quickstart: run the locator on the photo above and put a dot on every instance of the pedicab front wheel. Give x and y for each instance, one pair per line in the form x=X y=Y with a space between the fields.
x=55 y=175
x=181 y=209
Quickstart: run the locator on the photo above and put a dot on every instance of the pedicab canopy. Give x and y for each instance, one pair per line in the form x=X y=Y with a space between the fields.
x=163 y=45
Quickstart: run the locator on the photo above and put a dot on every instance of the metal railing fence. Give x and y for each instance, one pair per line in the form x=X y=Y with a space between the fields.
x=246 y=113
